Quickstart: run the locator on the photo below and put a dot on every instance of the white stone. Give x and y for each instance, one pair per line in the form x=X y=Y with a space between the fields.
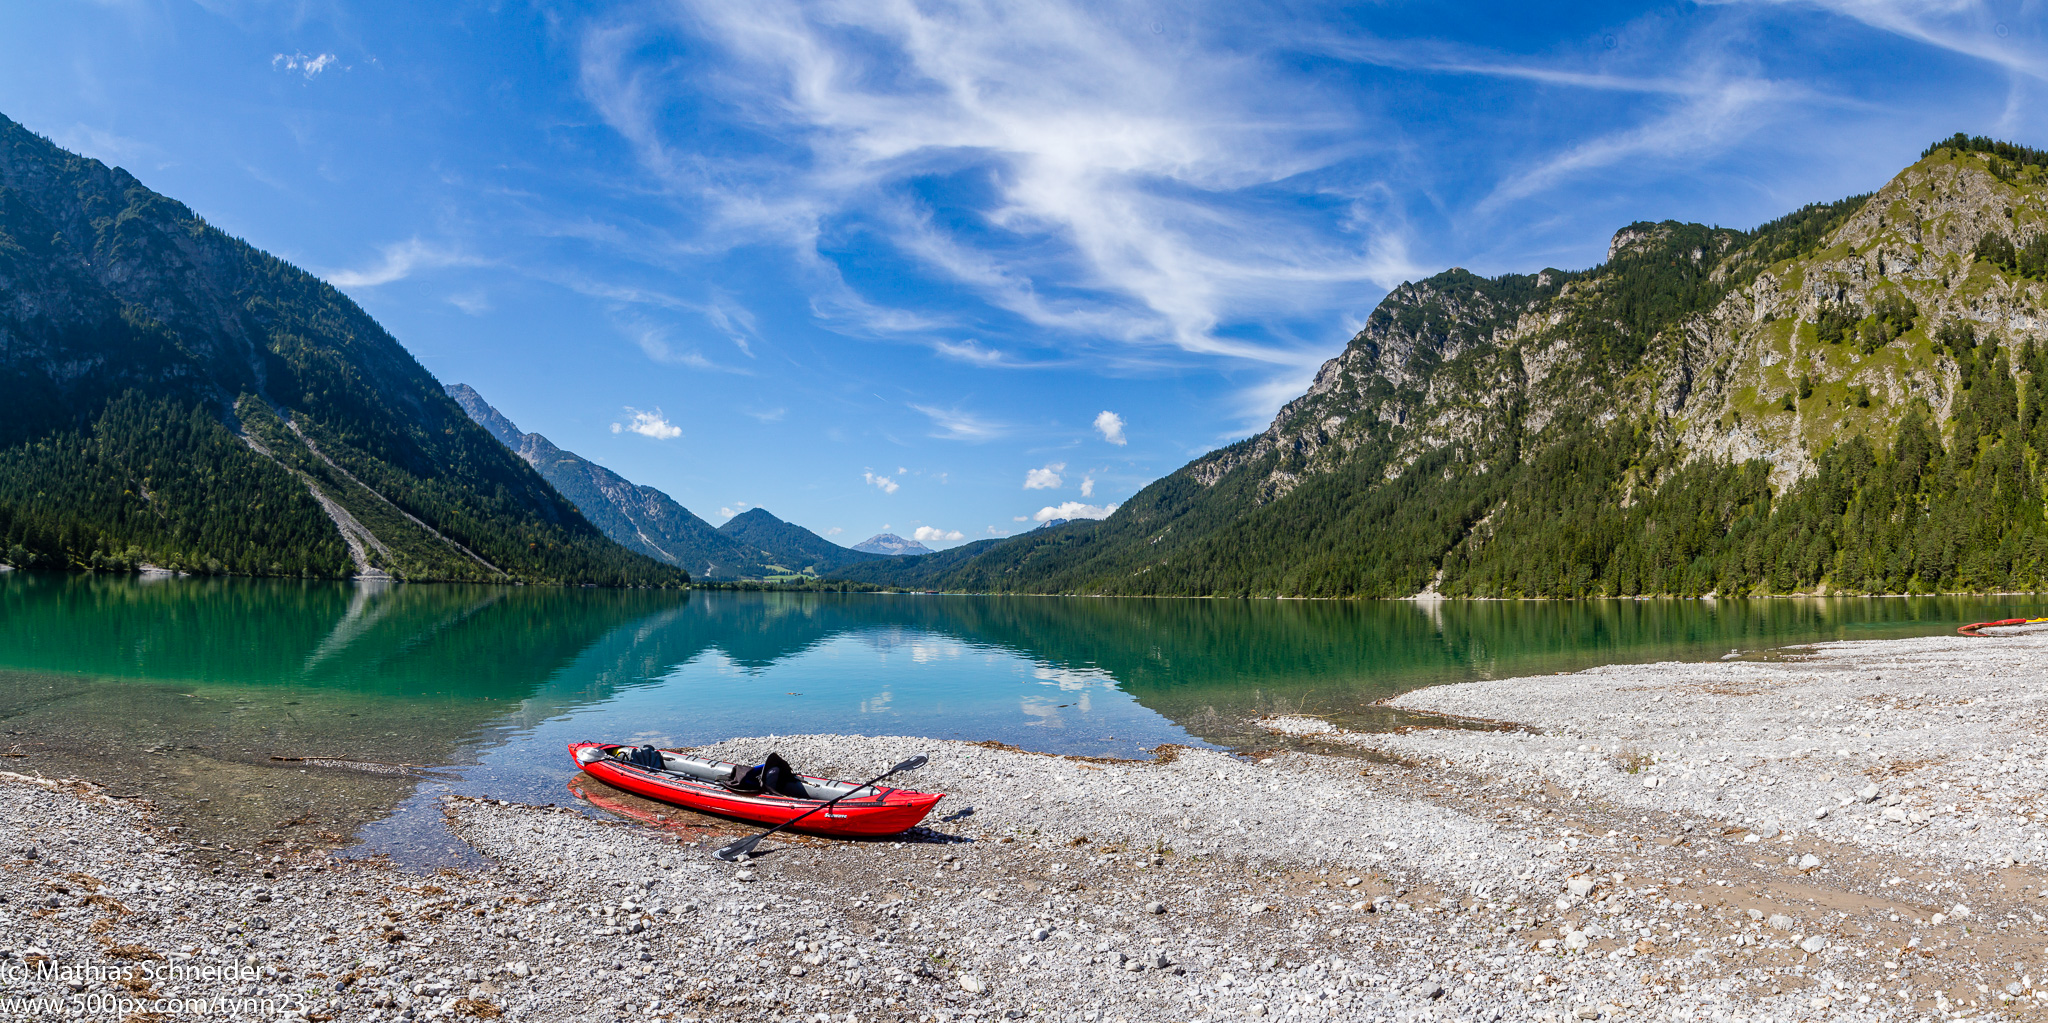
x=1809 y=862
x=1814 y=943
x=1576 y=941
x=1580 y=887
x=972 y=984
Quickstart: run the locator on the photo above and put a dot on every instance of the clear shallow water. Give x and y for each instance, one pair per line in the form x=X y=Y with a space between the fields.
x=184 y=689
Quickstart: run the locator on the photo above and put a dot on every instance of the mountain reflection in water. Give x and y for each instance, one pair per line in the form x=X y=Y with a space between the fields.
x=183 y=690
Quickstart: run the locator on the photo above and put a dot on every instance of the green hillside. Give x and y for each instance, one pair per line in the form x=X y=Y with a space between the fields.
x=1848 y=399
x=178 y=398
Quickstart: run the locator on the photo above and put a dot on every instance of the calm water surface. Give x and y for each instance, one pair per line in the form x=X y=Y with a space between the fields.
x=184 y=689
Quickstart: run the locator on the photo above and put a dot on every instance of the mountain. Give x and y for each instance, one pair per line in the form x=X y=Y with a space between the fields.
x=1851 y=398
x=179 y=398
x=787 y=546
x=891 y=545
x=639 y=518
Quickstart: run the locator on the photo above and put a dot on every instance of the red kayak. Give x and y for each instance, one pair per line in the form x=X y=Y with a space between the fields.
x=695 y=783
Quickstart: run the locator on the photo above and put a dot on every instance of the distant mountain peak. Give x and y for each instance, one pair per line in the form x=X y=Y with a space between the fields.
x=891 y=545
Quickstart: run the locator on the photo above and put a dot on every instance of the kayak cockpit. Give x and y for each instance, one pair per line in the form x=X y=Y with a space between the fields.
x=719 y=773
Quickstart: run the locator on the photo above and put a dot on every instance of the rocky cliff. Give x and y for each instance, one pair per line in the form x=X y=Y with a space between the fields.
x=1843 y=399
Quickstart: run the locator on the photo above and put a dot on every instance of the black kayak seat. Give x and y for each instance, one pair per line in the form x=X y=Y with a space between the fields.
x=647 y=756
x=772 y=775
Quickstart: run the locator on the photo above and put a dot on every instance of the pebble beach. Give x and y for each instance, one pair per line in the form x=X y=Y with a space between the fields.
x=1851 y=831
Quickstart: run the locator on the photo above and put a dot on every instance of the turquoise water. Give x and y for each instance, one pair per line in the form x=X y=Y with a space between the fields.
x=184 y=689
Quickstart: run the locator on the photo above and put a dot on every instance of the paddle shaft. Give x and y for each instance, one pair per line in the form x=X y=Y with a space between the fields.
x=736 y=849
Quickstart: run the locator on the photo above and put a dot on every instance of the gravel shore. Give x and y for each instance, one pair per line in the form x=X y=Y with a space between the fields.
x=1848 y=833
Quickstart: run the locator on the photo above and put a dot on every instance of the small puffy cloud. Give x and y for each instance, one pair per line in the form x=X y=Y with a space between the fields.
x=727 y=512
x=1047 y=478
x=303 y=64
x=994 y=531
x=1111 y=427
x=1087 y=486
x=834 y=531
x=1074 y=510
x=882 y=483
x=929 y=534
x=648 y=424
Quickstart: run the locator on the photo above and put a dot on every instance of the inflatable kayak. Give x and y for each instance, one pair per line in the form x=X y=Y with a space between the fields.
x=739 y=790
x=1971 y=629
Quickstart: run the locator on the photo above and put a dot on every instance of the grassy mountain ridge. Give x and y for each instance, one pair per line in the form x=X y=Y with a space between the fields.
x=121 y=311
x=1843 y=399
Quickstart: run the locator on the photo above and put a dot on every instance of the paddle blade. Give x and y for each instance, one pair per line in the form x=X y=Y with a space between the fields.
x=738 y=849
x=912 y=764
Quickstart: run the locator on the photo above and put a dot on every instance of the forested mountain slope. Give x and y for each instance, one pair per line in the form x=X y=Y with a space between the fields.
x=179 y=398
x=1848 y=399
x=639 y=518
x=790 y=546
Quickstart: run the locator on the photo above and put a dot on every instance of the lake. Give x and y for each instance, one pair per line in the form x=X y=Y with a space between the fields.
x=184 y=690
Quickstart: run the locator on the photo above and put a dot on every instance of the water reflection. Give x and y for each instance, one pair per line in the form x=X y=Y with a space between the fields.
x=184 y=689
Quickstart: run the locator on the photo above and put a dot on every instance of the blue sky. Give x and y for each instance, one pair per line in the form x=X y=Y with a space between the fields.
x=886 y=265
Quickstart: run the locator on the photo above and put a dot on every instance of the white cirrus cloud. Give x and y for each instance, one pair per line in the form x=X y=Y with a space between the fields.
x=882 y=483
x=953 y=424
x=310 y=66
x=648 y=424
x=400 y=260
x=835 y=531
x=1135 y=169
x=1111 y=427
x=1074 y=510
x=933 y=534
x=1047 y=478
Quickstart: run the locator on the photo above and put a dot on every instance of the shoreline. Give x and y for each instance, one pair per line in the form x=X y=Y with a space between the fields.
x=1450 y=873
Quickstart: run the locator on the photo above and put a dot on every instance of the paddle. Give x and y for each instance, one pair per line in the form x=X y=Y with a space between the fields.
x=746 y=845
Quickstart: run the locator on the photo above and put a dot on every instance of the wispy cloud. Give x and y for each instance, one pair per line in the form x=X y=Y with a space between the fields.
x=1702 y=122
x=882 y=483
x=305 y=64
x=2011 y=41
x=400 y=260
x=648 y=424
x=1125 y=171
x=953 y=424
